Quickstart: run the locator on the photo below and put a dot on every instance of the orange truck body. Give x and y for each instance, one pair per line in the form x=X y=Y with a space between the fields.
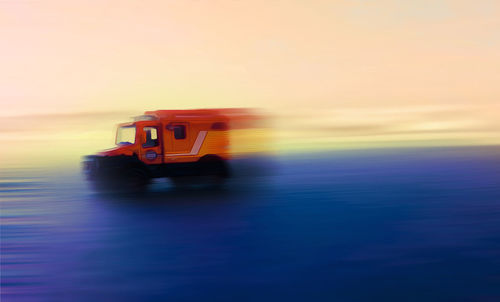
x=205 y=132
x=167 y=143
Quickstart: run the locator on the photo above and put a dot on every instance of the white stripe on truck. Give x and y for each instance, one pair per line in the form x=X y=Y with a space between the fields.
x=196 y=146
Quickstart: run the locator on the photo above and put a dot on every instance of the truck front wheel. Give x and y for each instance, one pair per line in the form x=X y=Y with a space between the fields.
x=135 y=180
x=131 y=180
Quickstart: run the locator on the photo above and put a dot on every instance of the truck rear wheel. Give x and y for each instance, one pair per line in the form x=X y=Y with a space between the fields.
x=211 y=173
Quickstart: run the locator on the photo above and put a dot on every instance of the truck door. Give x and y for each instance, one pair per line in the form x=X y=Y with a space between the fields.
x=151 y=146
x=179 y=138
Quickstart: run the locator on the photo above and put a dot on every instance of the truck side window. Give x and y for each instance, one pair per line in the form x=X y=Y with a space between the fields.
x=151 y=137
x=180 y=132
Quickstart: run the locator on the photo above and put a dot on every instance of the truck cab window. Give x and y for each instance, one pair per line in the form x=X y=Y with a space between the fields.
x=151 y=134
x=125 y=135
x=180 y=132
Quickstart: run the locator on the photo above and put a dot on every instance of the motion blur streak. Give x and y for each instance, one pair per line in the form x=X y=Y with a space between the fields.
x=371 y=172
x=400 y=225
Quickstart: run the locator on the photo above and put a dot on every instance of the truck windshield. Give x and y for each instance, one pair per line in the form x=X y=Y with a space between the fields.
x=125 y=135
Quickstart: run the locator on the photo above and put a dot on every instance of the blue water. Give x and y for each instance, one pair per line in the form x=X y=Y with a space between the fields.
x=386 y=225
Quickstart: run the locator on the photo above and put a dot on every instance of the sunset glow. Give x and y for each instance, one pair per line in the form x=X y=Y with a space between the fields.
x=331 y=74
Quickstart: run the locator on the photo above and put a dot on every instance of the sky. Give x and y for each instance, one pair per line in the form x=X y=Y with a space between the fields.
x=331 y=74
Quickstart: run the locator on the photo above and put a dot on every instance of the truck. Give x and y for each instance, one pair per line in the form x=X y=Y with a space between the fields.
x=190 y=147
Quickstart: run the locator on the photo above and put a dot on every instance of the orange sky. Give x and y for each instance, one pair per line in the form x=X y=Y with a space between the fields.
x=355 y=70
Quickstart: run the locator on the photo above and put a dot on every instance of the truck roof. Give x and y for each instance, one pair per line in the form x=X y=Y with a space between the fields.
x=198 y=114
x=236 y=118
x=186 y=114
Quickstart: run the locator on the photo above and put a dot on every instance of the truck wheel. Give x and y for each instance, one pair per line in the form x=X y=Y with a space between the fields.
x=209 y=174
x=213 y=172
x=136 y=180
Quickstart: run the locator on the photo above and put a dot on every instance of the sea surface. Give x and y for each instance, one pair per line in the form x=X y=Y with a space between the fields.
x=375 y=225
